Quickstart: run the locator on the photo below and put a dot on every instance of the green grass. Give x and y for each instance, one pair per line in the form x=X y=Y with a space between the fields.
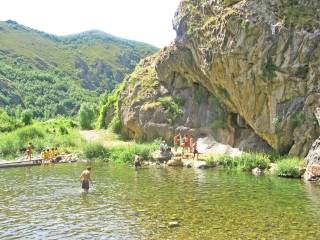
x=171 y=108
x=42 y=135
x=286 y=166
x=95 y=151
x=119 y=153
x=244 y=162
x=8 y=123
x=289 y=167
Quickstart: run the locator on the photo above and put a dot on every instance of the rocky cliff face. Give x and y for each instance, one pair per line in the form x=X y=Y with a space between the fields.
x=236 y=69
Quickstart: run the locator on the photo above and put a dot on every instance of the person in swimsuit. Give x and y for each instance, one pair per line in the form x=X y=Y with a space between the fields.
x=85 y=178
x=29 y=151
x=176 y=142
x=195 y=150
x=137 y=161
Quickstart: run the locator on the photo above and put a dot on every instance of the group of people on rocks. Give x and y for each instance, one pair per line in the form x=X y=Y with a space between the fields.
x=48 y=155
x=188 y=144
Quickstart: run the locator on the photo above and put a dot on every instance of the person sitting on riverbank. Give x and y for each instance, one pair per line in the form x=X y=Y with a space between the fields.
x=137 y=161
x=85 y=177
x=45 y=156
x=29 y=151
x=52 y=155
x=164 y=147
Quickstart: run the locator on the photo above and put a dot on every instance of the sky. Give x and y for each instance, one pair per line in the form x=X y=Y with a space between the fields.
x=147 y=21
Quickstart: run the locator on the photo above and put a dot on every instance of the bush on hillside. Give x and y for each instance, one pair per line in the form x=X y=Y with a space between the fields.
x=8 y=123
x=86 y=116
x=95 y=151
x=26 y=117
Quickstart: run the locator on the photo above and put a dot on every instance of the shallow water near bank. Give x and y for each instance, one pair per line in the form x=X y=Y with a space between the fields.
x=124 y=203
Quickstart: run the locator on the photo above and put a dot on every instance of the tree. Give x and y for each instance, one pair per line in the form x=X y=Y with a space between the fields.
x=26 y=117
x=86 y=116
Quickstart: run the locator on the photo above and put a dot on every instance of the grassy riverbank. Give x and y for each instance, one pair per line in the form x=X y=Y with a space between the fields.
x=119 y=153
x=106 y=146
x=61 y=133
x=284 y=166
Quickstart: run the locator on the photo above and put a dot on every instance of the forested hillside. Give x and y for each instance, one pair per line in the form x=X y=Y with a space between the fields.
x=53 y=75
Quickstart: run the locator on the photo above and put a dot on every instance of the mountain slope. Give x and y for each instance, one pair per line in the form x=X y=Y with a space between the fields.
x=55 y=74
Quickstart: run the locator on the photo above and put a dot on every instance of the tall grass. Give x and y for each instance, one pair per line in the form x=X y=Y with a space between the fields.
x=41 y=135
x=121 y=153
x=244 y=162
x=289 y=167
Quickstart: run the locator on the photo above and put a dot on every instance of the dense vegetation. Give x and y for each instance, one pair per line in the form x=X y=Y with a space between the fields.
x=53 y=75
x=285 y=166
x=61 y=133
x=121 y=153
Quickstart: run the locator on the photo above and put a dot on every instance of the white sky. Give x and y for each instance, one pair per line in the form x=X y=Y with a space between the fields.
x=147 y=21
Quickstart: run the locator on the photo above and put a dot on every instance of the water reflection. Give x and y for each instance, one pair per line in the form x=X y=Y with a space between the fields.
x=139 y=204
x=85 y=199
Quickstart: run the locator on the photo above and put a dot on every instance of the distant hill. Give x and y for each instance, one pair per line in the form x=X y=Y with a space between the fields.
x=53 y=75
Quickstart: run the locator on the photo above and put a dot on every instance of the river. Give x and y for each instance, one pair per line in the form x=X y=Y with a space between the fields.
x=124 y=203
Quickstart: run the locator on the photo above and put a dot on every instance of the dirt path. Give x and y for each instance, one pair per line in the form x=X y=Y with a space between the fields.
x=104 y=137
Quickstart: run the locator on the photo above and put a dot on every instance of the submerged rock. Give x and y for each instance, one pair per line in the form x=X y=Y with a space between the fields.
x=257 y=171
x=173 y=224
x=195 y=164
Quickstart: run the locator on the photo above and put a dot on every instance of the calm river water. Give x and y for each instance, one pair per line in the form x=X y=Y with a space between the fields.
x=124 y=203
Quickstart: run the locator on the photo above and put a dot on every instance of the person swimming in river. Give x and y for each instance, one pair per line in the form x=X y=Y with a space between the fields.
x=137 y=161
x=85 y=178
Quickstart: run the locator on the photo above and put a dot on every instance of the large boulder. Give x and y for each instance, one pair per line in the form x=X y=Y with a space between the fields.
x=252 y=59
x=162 y=156
x=313 y=162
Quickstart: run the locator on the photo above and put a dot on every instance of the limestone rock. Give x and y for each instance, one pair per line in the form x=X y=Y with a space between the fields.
x=313 y=162
x=257 y=171
x=243 y=60
x=162 y=156
x=175 y=163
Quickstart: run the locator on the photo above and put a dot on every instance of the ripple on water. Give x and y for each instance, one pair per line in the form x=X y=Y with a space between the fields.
x=40 y=203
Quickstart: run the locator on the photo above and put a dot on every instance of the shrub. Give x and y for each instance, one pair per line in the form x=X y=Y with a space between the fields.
x=269 y=69
x=26 y=117
x=289 y=167
x=124 y=154
x=249 y=161
x=8 y=123
x=171 y=108
x=95 y=151
x=245 y=162
x=115 y=124
x=86 y=116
